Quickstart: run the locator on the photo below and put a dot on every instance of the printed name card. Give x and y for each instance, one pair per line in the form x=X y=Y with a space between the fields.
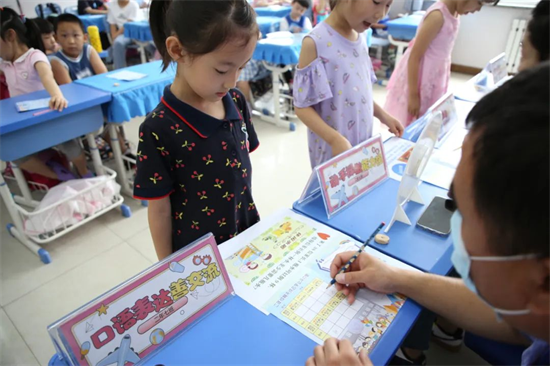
x=348 y=176
x=135 y=319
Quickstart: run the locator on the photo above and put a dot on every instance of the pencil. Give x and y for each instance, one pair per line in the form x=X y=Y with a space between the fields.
x=352 y=259
x=43 y=112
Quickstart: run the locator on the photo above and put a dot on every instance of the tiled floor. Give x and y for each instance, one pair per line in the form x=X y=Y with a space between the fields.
x=100 y=255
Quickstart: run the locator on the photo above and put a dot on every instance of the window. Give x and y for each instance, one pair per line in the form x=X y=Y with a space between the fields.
x=519 y=3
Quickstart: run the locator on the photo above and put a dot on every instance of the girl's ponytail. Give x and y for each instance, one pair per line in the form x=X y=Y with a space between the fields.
x=33 y=36
x=157 y=21
x=26 y=30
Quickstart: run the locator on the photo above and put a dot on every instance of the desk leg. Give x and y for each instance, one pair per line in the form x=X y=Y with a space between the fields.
x=16 y=229
x=276 y=73
x=119 y=163
x=142 y=53
x=96 y=158
x=22 y=183
x=400 y=48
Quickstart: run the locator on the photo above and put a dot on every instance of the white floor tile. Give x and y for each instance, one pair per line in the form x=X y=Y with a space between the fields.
x=13 y=350
x=125 y=227
x=143 y=243
x=22 y=271
x=32 y=313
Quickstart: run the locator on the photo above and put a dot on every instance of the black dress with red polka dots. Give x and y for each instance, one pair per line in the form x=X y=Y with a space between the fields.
x=202 y=164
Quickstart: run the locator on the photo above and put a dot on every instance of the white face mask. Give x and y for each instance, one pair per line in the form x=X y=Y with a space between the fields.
x=462 y=262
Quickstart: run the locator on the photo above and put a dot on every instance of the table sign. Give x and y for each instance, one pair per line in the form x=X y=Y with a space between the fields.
x=348 y=176
x=138 y=317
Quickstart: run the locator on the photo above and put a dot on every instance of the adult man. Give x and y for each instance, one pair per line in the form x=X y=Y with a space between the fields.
x=500 y=231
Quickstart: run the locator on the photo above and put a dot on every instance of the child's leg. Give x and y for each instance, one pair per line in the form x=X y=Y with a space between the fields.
x=33 y=164
x=75 y=154
x=121 y=138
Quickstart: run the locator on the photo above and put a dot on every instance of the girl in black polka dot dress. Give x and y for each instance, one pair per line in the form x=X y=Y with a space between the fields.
x=193 y=155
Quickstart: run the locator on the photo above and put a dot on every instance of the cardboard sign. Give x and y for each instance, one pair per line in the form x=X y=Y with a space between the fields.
x=445 y=105
x=348 y=176
x=497 y=67
x=133 y=320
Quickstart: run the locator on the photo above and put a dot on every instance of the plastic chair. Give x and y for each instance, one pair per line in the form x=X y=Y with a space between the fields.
x=495 y=353
x=45 y=10
x=71 y=10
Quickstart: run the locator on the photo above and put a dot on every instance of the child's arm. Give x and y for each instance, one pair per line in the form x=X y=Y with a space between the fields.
x=309 y=116
x=115 y=32
x=426 y=34
x=96 y=62
x=393 y=124
x=283 y=25
x=57 y=100
x=60 y=73
x=320 y=6
x=160 y=224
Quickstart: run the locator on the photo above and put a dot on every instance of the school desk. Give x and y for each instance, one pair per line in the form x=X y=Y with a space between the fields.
x=236 y=333
x=99 y=20
x=29 y=132
x=130 y=99
x=402 y=30
x=268 y=24
x=273 y=11
x=140 y=32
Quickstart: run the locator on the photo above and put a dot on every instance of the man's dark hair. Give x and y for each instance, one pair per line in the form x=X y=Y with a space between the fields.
x=69 y=18
x=303 y=3
x=511 y=163
x=539 y=29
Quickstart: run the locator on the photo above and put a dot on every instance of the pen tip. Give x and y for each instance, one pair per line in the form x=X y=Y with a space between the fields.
x=328 y=286
x=383 y=223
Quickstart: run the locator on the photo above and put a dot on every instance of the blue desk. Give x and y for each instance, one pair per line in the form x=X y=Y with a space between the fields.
x=410 y=244
x=99 y=20
x=277 y=51
x=268 y=24
x=245 y=336
x=403 y=30
x=23 y=134
x=139 y=31
x=132 y=98
x=273 y=11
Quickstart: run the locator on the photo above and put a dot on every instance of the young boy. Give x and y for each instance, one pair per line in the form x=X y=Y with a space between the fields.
x=120 y=13
x=48 y=35
x=75 y=60
x=296 y=21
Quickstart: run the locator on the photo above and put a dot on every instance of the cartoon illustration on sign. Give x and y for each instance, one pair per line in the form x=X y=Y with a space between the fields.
x=122 y=354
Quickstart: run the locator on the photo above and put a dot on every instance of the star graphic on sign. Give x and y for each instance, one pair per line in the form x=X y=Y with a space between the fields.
x=102 y=309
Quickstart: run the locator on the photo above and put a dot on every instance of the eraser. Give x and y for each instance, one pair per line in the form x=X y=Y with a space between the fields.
x=382 y=239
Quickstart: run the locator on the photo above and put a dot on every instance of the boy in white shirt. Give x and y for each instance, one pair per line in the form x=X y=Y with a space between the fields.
x=297 y=21
x=120 y=13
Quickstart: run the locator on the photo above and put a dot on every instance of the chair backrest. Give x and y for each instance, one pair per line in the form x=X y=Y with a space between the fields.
x=71 y=10
x=45 y=10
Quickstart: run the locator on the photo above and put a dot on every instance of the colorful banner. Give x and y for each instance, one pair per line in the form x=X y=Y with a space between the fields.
x=346 y=177
x=131 y=321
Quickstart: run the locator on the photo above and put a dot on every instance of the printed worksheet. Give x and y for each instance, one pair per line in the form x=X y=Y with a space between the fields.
x=320 y=313
x=264 y=259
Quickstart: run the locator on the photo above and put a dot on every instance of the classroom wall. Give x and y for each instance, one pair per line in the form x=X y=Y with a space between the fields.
x=28 y=5
x=483 y=35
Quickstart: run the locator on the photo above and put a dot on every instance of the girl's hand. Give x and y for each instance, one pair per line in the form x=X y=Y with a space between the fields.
x=393 y=124
x=414 y=105
x=58 y=102
x=339 y=145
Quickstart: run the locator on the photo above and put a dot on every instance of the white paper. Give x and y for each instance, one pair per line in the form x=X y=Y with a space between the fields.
x=264 y=251
x=126 y=75
x=29 y=105
x=441 y=168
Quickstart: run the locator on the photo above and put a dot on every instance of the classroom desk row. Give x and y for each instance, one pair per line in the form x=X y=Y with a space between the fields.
x=248 y=337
